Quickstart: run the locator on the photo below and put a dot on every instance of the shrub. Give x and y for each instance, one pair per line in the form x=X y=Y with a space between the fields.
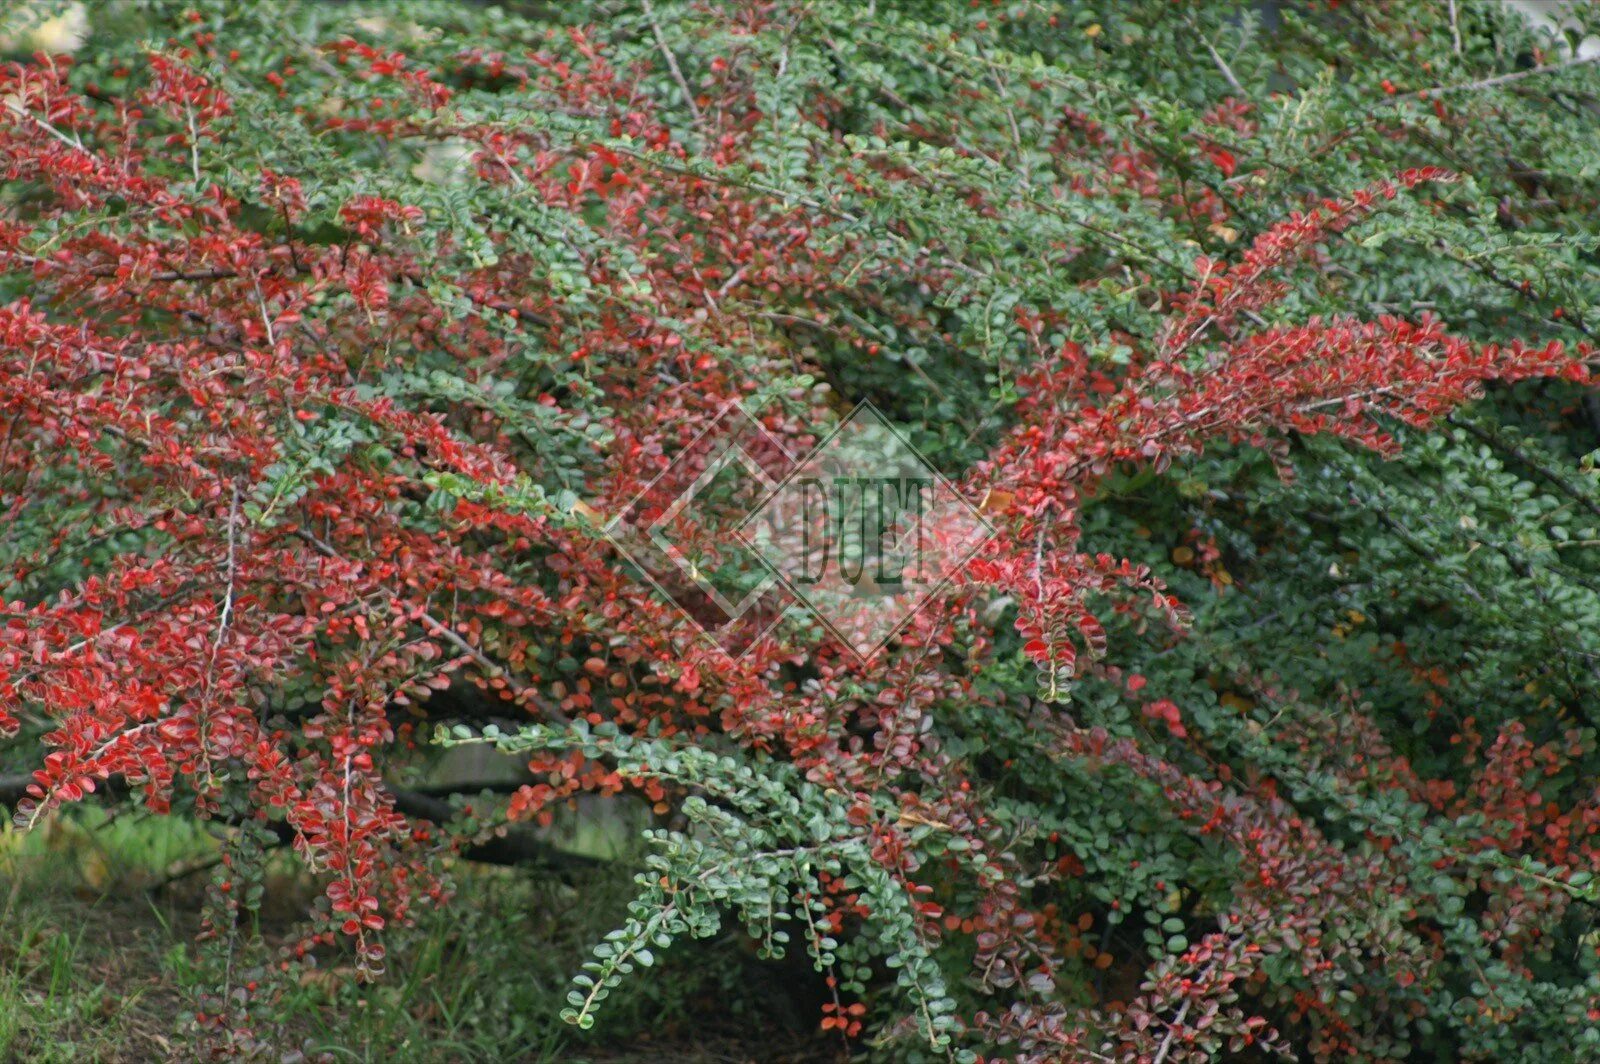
x=331 y=335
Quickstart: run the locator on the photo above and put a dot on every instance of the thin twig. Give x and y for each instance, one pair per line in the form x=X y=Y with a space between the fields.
x=1222 y=65
x=738 y=275
x=1172 y=1032
x=22 y=112
x=185 y=871
x=227 y=600
x=194 y=143
x=1502 y=79
x=672 y=60
x=1011 y=119
x=1526 y=460
x=493 y=669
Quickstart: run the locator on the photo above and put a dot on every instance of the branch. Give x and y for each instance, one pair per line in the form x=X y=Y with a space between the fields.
x=672 y=61
x=1172 y=1032
x=1526 y=460
x=490 y=667
x=1227 y=72
x=517 y=846
x=1503 y=79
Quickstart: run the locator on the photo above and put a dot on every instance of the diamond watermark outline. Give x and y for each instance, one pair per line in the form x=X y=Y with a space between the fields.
x=980 y=532
x=731 y=453
x=738 y=441
x=732 y=627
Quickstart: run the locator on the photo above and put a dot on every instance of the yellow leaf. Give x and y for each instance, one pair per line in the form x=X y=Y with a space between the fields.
x=95 y=869
x=996 y=501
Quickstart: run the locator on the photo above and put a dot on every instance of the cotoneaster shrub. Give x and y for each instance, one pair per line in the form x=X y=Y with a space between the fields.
x=331 y=333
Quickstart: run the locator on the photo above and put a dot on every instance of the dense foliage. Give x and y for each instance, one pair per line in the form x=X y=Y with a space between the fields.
x=330 y=335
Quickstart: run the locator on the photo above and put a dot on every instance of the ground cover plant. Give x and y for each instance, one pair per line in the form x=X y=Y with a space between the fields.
x=332 y=335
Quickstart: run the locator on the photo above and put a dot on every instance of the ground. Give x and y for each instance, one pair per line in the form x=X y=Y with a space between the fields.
x=98 y=963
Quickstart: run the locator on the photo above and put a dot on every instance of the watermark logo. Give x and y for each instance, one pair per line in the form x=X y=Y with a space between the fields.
x=859 y=533
x=678 y=531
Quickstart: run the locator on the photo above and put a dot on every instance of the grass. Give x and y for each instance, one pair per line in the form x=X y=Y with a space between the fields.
x=64 y=938
x=98 y=964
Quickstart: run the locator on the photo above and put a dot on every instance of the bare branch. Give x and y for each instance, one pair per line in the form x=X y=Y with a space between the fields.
x=672 y=61
x=1504 y=79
